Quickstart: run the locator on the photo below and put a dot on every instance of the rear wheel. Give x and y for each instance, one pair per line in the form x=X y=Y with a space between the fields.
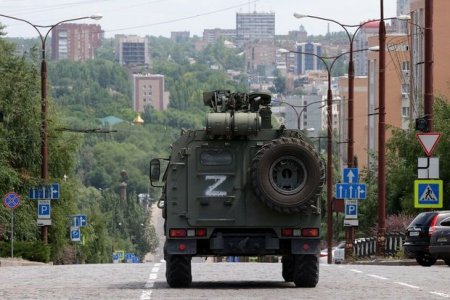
x=425 y=260
x=287 y=265
x=178 y=270
x=306 y=270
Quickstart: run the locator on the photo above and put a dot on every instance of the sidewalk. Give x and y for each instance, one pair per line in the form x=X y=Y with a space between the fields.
x=14 y=262
x=390 y=262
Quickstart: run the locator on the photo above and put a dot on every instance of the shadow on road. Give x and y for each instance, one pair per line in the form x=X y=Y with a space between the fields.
x=225 y=285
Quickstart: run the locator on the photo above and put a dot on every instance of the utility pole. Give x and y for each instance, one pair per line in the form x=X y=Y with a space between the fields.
x=428 y=86
x=381 y=137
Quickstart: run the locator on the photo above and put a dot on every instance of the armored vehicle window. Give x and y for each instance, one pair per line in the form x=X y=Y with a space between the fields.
x=216 y=157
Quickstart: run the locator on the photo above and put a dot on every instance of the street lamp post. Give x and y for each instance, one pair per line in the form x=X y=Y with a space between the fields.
x=329 y=67
x=303 y=109
x=329 y=147
x=350 y=149
x=44 y=123
x=351 y=79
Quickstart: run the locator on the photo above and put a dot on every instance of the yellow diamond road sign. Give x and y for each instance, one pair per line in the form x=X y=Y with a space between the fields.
x=428 y=193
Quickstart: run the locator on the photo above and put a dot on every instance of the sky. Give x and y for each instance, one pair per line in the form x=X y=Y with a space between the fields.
x=160 y=17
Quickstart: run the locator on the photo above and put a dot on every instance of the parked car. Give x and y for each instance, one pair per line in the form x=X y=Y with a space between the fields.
x=417 y=241
x=337 y=253
x=440 y=241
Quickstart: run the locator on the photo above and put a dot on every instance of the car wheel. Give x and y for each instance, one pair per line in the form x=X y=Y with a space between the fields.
x=287 y=175
x=425 y=260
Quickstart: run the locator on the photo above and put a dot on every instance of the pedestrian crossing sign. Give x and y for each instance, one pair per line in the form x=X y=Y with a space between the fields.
x=428 y=193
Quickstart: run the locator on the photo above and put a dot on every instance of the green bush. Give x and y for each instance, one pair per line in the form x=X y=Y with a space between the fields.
x=34 y=251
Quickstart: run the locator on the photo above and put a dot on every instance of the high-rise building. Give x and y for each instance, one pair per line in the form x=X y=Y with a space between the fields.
x=307 y=59
x=76 y=42
x=254 y=26
x=361 y=42
x=132 y=50
x=149 y=90
x=401 y=26
x=440 y=50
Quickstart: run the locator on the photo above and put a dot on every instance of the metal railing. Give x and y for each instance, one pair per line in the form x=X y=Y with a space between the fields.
x=365 y=247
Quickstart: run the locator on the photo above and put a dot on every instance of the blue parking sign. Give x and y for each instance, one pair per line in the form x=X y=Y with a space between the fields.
x=44 y=209
x=351 y=209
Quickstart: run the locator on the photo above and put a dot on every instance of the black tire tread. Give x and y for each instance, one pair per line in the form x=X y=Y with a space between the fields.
x=425 y=260
x=287 y=268
x=306 y=273
x=178 y=271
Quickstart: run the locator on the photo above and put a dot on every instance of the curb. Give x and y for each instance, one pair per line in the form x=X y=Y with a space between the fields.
x=391 y=262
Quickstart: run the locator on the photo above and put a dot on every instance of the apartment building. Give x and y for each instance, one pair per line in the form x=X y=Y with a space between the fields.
x=260 y=57
x=76 y=42
x=441 y=50
x=254 y=26
x=132 y=50
x=213 y=35
x=149 y=90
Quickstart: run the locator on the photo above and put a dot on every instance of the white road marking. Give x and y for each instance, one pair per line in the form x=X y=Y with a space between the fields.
x=376 y=276
x=147 y=293
x=407 y=285
x=443 y=295
x=356 y=271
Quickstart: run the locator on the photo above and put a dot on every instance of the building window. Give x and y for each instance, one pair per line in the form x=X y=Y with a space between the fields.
x=405 y=112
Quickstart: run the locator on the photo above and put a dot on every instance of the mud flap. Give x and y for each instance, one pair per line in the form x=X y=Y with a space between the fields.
x=181 y=246
x=305 y=246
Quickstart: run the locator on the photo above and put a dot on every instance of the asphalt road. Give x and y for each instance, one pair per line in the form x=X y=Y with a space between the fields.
x=221 y=281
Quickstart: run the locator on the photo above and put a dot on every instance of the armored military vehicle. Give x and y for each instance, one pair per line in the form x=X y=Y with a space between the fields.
x=241 y=188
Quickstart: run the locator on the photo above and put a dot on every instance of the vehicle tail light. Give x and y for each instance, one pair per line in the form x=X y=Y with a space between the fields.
x=287 y=232
x=310 y=232
x=177 y=232
x=433 y=225
x=200 y=232
x=296 y=232
x=183 y=232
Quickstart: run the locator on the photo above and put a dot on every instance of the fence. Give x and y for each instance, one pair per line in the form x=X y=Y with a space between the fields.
x=364 y=247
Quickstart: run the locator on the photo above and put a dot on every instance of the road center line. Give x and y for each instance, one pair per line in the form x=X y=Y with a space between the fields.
x=147 y=293
x=443 y=295
x=407 y=285
x=376 y=276
x=356 y=271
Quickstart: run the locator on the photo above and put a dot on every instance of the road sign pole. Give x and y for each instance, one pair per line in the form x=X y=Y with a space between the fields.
x=12 y=233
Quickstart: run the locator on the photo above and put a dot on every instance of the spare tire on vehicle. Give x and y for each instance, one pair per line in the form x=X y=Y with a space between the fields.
x=287 y=174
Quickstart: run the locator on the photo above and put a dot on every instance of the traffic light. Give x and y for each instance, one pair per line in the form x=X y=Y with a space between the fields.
x=422 y=124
